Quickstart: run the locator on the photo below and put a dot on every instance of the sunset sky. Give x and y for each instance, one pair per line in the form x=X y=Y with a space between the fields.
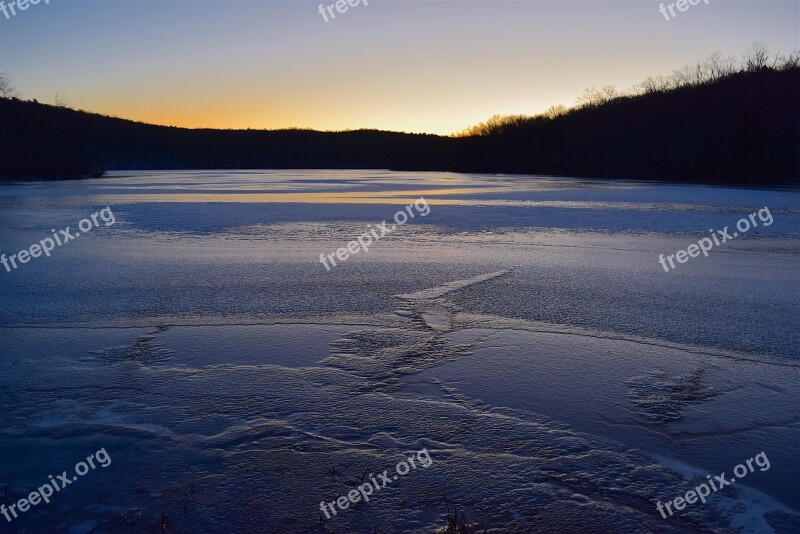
x=418 y=66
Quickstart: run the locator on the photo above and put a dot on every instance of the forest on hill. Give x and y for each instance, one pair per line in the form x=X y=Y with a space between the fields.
x=721 y=121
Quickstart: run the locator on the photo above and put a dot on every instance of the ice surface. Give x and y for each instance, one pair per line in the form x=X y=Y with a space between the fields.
x=523 y=332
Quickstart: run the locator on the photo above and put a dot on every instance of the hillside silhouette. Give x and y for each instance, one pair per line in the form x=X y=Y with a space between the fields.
x=720 y=121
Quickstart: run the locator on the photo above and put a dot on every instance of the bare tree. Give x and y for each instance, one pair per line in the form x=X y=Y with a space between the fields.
x=658 y=84
x=589 y=98
x=792 y=61
x=682 y=77
x=729 y=66
x=636 y=89
x=609 y=93
x=715 y=66
x=6 y=89
x=60 y=103
x=648 y=85
x=756 y=57
x=555 y=111
x=701 y=74
x=497 y=124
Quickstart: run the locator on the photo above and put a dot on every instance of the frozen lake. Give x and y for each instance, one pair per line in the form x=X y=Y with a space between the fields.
x=523 y=332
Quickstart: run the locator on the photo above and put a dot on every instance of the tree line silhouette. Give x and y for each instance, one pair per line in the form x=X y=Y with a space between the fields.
x=722 y=121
